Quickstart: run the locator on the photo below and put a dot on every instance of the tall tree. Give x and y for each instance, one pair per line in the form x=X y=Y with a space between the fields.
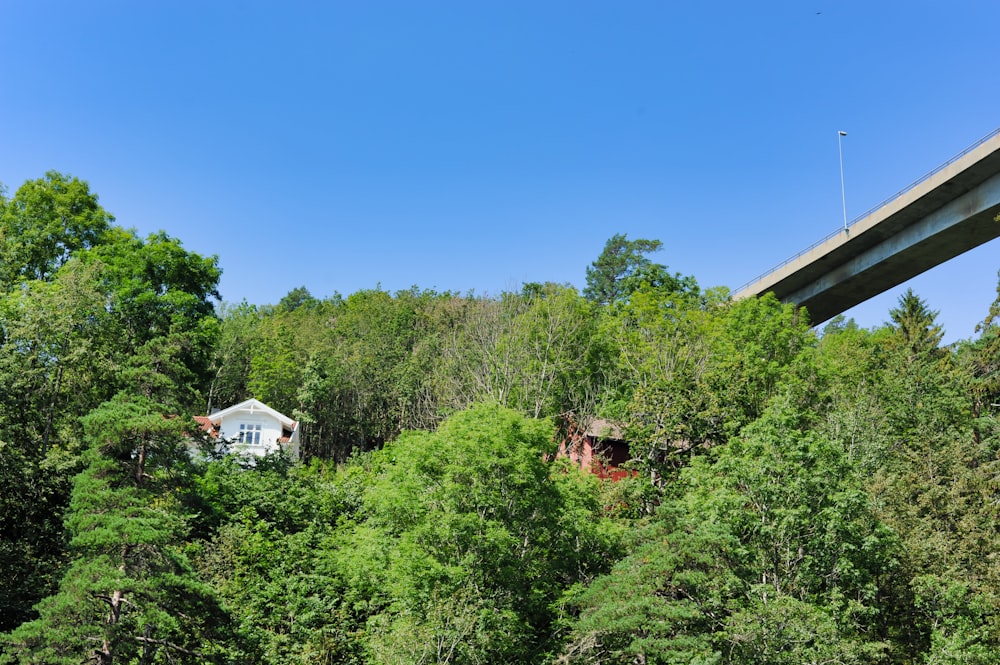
x=232 y=355
x=691 y=374
x=981 y=358
x=129 y=593
x=54 y=357
x=925 y=453
x=270 y=552
x=156 y=290
x=916 y=324
x=534 y=352
x=620 y=259
x=297 y=297
x=46 y=221
x=370 y=370
x=468 y=540
x=95 y=310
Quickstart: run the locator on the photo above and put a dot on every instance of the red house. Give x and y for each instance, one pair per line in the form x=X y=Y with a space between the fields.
x=599 y=448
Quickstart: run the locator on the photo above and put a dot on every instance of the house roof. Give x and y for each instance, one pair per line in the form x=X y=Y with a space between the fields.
x=604 y=429
x=206 y=425
x=249 y=406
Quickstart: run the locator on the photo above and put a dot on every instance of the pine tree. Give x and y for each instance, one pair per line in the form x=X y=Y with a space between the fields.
x=916 y=325
x=129 y=593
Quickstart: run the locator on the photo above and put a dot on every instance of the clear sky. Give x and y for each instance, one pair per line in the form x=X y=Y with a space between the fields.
x=479 y=144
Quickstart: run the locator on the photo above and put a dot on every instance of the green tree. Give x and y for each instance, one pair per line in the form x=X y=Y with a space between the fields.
x=46 y=221
x=691 y=372
x=233 y=354
x=620 y=260
x=963 y=623
x=916 y=325
x=129 y=594
x=276 y=362
x=297 y=297
x=769 y=553
x=54 y=358
x=851 y=395
x=536 y=352
x=269 y=551
x=981 y=360
x=925 y=452
x=370 y=371
x=32 y=547
x=88 y=311
x=88 y=301
x=467 y=543
x=156 y=288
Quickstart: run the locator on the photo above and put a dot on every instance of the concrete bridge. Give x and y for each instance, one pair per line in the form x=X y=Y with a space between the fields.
x=951 y=210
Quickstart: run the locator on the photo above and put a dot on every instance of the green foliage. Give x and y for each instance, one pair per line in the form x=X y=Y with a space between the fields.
x=963 y=623
x=915 y=325
x=275 y=367
x=72 y=341
x=913 y=417
x=233 y=355
x=31 y=550
x=367 y=382
x=55 y=348
x=788 y=631
x=283 y=591
x=103 y=338
x=981 y=360
x=534 y=352
x=129 y=593
x=769 y=550
x=802 y=498
x=692 y=375
x=358 y=371
x=160 y=294
x=272 y=490
x=46 y=221
x=621 y=267
x=466 y=543
x=851 y=367
x=297 y=297
x=661 y=602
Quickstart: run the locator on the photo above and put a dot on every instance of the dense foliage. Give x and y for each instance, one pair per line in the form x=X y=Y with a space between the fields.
x=798 y=496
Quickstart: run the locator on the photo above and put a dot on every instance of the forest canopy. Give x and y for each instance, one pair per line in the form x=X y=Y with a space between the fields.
x=794 y=495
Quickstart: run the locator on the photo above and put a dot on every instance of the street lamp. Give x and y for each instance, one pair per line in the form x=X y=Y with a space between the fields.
x=843 y=200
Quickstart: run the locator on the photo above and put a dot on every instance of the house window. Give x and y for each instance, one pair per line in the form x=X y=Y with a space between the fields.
x=249 y=434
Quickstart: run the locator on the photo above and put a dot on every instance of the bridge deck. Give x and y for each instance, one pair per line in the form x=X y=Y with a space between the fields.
x=946 y=213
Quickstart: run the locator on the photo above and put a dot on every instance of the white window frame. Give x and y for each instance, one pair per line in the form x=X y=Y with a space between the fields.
x=250 y=433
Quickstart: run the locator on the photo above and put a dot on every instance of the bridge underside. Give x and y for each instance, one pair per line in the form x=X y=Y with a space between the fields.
x=949 y=213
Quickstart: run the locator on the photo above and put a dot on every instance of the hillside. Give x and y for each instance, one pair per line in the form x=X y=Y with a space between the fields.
x=800 y=495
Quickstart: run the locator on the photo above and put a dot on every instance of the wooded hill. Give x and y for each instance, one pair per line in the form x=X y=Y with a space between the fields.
x=801 y=496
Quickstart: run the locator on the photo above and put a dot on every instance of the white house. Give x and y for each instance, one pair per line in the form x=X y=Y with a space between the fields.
x=253 y=428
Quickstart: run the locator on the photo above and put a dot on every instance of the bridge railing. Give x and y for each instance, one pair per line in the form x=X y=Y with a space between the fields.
x=868 y=212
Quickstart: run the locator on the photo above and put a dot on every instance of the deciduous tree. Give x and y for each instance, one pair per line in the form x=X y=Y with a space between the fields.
x=45 y=222
x=467 y=543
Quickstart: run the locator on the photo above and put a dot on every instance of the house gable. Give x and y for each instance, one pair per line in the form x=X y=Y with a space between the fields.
x=253 y=428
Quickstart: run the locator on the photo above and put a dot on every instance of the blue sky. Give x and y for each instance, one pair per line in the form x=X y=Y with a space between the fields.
x=479 y=145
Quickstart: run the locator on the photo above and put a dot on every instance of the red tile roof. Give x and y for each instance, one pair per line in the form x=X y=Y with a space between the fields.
x=206 y=425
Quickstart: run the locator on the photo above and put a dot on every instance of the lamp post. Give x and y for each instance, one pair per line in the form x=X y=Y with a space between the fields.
x=843 y=200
